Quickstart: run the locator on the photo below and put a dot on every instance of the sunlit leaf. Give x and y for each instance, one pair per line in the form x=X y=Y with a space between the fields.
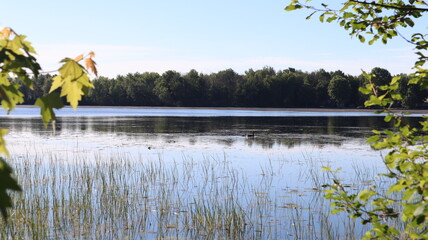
x=73 y=81
x=90 y=65
x=6 y=32
x=78 y=58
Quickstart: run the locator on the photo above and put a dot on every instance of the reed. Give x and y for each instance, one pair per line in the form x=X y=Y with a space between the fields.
x=116 y=197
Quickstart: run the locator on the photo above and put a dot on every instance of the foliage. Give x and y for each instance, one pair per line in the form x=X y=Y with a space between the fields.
x=339 y=89
x=7 y=182
x=227 y=88
x=407 y=159
x=17 y=64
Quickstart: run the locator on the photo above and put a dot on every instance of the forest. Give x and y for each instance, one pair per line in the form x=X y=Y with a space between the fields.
x=266 y=87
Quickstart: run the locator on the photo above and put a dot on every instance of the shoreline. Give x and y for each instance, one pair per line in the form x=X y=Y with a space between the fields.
x=412 y=111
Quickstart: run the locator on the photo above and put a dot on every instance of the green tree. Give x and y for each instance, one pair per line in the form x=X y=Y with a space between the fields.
x=412 y=95
x=17 y=66
x=381 y=76
x=319 y=81
x=295 y=92
x=407 y=158
x=100 y=94
x=170 y=88
x=195 y=95
x=223 y=87
x=339 y=89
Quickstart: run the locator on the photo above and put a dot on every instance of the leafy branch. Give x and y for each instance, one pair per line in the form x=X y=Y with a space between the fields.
x=17 y=63
x=396 y=7
x=407 y=159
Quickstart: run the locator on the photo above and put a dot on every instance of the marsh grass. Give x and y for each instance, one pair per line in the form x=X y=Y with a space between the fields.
x=68 y=196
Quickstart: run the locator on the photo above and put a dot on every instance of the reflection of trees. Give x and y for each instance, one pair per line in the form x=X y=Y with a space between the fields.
x=228 y=142
x=269 y=131
x=295 y=140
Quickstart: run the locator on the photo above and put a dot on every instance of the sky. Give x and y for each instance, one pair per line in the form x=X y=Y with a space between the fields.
x=209 y=36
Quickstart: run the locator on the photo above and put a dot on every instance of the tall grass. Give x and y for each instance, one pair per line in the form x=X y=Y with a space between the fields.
x=66 y=196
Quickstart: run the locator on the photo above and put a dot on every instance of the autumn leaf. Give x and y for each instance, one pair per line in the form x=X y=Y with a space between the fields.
x=90 y=65
x=79 y=58
x=5 y=32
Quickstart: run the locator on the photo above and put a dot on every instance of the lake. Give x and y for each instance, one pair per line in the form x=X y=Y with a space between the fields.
x=267 y=161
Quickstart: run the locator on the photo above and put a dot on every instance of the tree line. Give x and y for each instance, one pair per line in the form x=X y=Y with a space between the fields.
x=256 y=88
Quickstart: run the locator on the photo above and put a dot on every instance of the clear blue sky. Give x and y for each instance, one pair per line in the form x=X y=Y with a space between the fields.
x=146 y=35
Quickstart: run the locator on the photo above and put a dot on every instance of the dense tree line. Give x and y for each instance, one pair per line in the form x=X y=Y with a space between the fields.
x=256 y=88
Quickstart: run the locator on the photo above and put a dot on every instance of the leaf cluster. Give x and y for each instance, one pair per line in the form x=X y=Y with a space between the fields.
x=407 y=158
x=17 y=68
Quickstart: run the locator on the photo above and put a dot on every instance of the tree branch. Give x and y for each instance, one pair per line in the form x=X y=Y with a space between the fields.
x=390 y=6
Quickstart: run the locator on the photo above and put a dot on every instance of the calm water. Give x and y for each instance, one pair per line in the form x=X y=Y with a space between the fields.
x=289 y=147
x=330 y=138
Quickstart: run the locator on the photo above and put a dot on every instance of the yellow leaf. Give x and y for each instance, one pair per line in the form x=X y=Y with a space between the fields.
x=90 y=65
x=3 y=149
x=73 y=80
x=73 y=91
x=57 y=82
x=91 y=54
x=78 y=58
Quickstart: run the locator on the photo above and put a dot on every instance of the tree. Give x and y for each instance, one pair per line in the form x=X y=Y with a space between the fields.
x=18 y=69
x=412 y=95
x=319 y=81
x=222 y=88
x=100 y=94
x=407 y=159
x=196 y=89
x=170 y=88
x=381 y=76
x=339 y=89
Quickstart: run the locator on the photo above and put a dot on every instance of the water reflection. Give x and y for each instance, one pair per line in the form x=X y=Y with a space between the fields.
x=269 y=131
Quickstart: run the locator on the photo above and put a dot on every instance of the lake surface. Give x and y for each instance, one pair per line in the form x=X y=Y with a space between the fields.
x=289 y=146
x=328 y=138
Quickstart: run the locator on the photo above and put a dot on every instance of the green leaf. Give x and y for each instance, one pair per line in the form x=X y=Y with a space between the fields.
x=394 y=80
x=365 y=195
x=7 y=182
x=374 y=138
x=326 y=169
x=420 y=210
x=375 y=131
x=10 y=96
x=293 y=6
x=395 y=188
x=388 y=117
x=331 y=19
x=348 y=15
x=365 y=91
x=337 y=210
x=3 y=149
x=47 y=104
